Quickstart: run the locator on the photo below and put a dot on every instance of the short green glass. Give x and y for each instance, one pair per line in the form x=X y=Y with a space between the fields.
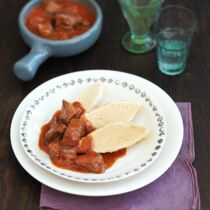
x=140 y=16
x=175 y=26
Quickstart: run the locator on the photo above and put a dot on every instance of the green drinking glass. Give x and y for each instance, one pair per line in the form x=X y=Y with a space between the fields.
x=140 y=16
x=174 y=30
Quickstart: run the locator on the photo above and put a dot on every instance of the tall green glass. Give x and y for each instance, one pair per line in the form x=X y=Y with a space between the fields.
x=140 y=15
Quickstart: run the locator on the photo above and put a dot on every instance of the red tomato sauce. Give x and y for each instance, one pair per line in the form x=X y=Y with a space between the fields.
x=111 y=157
x=59 y=19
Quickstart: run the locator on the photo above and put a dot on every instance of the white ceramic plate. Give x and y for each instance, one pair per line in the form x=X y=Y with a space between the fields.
x=43 y=105
x=156 y=169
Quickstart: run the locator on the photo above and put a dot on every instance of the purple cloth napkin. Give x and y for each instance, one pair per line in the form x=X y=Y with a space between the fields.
x=176 y=189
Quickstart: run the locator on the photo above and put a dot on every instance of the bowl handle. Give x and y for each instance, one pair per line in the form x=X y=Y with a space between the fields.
x=26 y=68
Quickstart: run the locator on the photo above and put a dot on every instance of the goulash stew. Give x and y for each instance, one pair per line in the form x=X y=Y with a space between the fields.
x=66 y=141
x=59 y=19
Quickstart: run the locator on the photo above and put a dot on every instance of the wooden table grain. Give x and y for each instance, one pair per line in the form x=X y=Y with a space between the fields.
x=18 y=190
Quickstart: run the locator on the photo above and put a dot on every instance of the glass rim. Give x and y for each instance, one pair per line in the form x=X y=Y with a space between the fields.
x=150 y=5
x=183 y=8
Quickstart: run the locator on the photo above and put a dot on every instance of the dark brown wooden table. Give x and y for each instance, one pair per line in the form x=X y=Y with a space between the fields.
x=18 y=190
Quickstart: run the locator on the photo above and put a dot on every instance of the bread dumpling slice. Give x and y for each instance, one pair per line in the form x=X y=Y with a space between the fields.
x=119 y=111
x=90 y=96
x=117 y=136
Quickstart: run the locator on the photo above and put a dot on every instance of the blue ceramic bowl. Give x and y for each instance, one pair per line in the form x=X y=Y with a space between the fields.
x=41 y=49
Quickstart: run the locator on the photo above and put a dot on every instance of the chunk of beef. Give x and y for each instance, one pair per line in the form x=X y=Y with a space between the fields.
x=51 y=6
x=68 y=153
x=61 y=154
x=45 y=28
x=88 y=127
x=54 y=150
x=67 y=112
x=67 y=20
x=56 y=130
x=91 y=161
x=73 y=133
x=86 y=22
x=54 y=121
x=37 y=20
x=80 y=109
x=85 y=145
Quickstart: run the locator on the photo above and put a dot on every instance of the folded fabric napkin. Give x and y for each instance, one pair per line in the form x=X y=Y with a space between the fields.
x=176 y=189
